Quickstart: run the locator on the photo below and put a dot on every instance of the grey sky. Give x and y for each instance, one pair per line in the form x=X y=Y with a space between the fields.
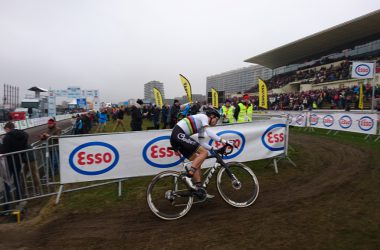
x=116 y=46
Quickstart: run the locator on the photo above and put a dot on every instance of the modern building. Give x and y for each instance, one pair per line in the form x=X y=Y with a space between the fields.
x=238 y=80
x=148 y=90
x=300 y=65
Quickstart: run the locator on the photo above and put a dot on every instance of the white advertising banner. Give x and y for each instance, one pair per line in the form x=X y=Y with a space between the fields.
x=362 y=70
x=359 y=123
x=295 y=118
x=132 y=154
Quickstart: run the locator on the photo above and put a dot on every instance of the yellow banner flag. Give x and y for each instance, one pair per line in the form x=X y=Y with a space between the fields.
x=158 y=97
x=187 y=87
x=214 y=98
x=263 y=95
x=361 y=97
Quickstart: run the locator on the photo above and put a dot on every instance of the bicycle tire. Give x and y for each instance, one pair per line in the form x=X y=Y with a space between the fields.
x=235 y=194
x=166 y=196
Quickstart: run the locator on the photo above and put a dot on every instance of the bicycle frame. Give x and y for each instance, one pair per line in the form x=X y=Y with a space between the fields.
x=210 y=172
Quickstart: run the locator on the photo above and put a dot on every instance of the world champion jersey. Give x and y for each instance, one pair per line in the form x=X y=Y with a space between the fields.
x=194 y=124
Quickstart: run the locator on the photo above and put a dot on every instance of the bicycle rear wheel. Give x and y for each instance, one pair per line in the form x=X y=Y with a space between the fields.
x=237 y=184
x=168 y=196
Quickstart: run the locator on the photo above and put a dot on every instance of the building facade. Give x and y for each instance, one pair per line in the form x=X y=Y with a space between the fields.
x=148 y=90
x=239 y=80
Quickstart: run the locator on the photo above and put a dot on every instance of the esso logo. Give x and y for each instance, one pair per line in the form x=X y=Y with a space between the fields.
x=314 y=119
x=362 y=70
x=345 y=121
x=157 y=153
x=366 y=123
x=230 y=135
x=274 y=137
x=328 y=120
x=94 y=158
x=300 y=119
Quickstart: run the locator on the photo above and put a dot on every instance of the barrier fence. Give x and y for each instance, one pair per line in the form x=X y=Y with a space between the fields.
x=34 y=122
x=353 y=121
x=43 y=171
x=31 y=173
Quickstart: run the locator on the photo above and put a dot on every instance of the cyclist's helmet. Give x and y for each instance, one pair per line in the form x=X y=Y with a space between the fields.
x=212 y=111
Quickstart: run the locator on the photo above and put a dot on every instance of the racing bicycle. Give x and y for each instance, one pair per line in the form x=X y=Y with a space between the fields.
x=170 y=198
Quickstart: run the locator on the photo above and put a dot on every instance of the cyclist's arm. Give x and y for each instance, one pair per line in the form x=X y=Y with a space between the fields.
x=203 y=143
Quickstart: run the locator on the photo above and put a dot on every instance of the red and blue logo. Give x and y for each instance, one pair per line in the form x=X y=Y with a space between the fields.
x=345 y=121
x=314 y=119
x=157 y=153
x=93 y=158
x=328 y=120
x=366 y=123
x=230 y=135
x=362 y=70
x=274 y=137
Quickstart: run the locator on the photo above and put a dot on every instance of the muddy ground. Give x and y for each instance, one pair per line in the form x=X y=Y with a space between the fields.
x=329 y=201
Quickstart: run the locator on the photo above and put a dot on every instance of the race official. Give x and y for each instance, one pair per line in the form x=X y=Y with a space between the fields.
x=227 y=112
x=244 y=110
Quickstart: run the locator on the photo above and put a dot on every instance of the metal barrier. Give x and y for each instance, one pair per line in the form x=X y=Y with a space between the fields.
x=34 y=173
x=27 y=174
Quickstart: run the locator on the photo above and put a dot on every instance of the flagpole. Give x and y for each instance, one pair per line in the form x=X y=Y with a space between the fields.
x=373 y=88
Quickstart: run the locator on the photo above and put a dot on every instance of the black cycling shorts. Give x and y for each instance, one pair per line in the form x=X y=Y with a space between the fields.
x=184 y=143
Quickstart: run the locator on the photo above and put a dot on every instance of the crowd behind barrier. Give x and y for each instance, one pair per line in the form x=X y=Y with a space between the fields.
x=338 y=98
x=39 y=171
x=326 y=70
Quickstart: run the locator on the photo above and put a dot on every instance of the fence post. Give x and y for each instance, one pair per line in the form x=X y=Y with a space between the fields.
x=119 y=185
x=59 y=194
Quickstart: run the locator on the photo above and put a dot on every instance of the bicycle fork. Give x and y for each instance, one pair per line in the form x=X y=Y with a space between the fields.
x=236 y=184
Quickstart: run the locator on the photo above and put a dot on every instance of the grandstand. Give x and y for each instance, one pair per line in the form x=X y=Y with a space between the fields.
x=317 y=68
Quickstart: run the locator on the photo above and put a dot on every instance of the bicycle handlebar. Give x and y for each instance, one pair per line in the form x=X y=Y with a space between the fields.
x=223 y=151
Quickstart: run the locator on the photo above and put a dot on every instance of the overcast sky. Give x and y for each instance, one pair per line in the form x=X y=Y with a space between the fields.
x=117 y=45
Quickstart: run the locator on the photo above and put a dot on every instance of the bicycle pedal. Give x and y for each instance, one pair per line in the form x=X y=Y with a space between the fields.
x=210 y=196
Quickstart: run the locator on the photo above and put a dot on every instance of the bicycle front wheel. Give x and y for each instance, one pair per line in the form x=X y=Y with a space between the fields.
x=237 y=184
x=168 y=196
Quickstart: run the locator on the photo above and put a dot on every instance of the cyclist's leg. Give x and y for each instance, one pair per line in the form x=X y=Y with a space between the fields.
x=198 y=158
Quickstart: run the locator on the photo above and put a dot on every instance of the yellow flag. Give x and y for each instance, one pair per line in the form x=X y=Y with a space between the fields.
x=158 y=97
x=187 y=87
x=361 y=97
x=263 y=95
x=214 y=98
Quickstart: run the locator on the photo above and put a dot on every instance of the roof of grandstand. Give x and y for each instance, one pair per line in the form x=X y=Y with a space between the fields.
x=321 y=43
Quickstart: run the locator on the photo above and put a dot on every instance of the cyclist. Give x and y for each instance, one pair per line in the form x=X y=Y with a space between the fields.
x=190 y=148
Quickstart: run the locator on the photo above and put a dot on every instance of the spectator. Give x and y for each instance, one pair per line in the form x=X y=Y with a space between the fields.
x=119 y=119
x=102 y=121
x=78 y=125
x=53 y=131
x=137 y=116
x=173 y=115
x=164 y=115
x=155 y=116
x=244 y=110
x=227 y=112
x=14 y=140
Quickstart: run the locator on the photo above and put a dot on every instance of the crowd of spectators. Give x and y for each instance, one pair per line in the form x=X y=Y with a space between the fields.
x=324 y=70
x=339 y=98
